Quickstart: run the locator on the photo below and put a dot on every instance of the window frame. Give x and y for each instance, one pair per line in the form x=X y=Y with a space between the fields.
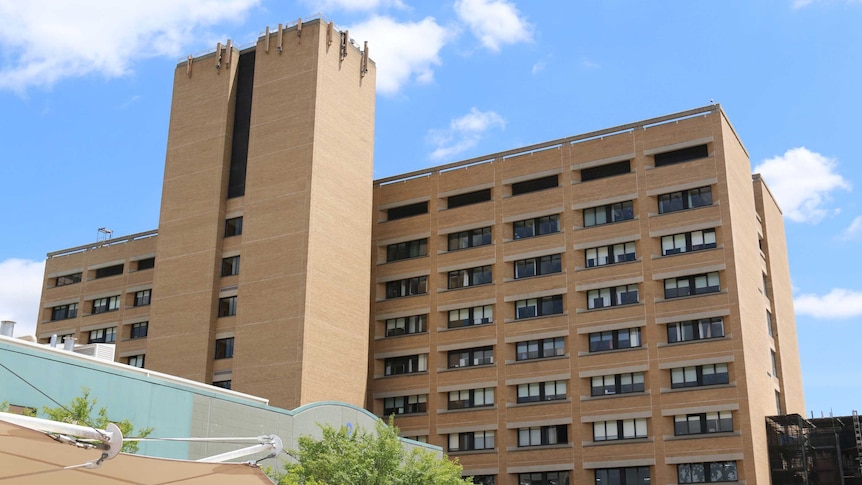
x=538 y=266
x=685 y=242
x=108 y=271
x=535 y=185
x=467 y=277
x=615 y=296
x=407 y=210
x=614 y=339
x=632 y=475
x=68 y=279
x=482 y=397
x=615 y=384
x=470 y=440
x=224 y=348
x=612 y=254
x=407 y=364
x=537 y=226
x=545 y=348
x=64 y=312
x=227 y=306
x=685 y=199
x=412 y=324
x=230 y=266
x=543 y=436
x=106 y=304
x=233 y=227
x=472 y=357
x=471 y=316
x=143 y=297
x=699 y=376
x=405 y=405
x=673 y=287
x=416 y=248
x=727 y=472
x=417 y=285
x=136 y=360
x=610 y=213
x=542 y=307
x=471 y=238
x=545 y=478
x=622 y=429
x=703 y=423
x=468 y=198
x=538 y=391
x=135 y=331
x=102 y=336
x=693 y=330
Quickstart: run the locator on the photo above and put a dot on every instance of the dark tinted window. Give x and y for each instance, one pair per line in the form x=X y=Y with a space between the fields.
x=681 y=155
x=469 y=198
x=608 y=170
x=109 y=271
x=147 y=263
x=535 y=185
x=407 y=211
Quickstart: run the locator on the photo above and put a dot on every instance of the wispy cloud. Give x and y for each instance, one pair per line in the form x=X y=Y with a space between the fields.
x=463 y=133
x=20 y=291
x=837 y=304
x=353 y=5
x=853 y=230
x=802 y=181
x=134 y=99
x=46 y=41
x=589 y=64
x=402 y=51
x=494 y=22
x=538 y=67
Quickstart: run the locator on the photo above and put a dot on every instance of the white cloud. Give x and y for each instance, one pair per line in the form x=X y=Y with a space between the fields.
x=853 y=230
x=20 y=291
x=804 y=3
x=463 y=133
x=46 y=41
x=353 y=5
x=538 y=67
x=801 y=181
x=838 y=303
x=494 y=22
x=401 y=51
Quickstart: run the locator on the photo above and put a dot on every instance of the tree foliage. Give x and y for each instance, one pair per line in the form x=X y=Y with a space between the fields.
x=363 y=457
x=82 y=411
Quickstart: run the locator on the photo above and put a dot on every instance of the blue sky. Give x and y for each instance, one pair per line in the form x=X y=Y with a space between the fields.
x=85 y=95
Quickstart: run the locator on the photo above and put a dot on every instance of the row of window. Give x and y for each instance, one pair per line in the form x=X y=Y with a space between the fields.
x=109 y=335
x=100 y=305
x=548 y=182
x=708 y=472
x=114 y=270
x=686 y=331
x=611 y=430
x=611 y=384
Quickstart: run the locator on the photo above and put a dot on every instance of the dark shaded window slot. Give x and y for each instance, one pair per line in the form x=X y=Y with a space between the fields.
x=535 y=185
x=608 y=170
x=681 y=155
x=407 y=211
x=109 y=271
x=468 y=198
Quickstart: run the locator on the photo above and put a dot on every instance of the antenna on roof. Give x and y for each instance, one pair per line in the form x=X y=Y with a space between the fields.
x=104 y=234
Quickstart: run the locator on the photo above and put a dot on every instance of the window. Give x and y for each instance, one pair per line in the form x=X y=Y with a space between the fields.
x=471 y=398
x=538 y=307
x=702 y=283
x=777 y=403
x=540 y=349
x=544 y=478
x=135 y=360
x=407 y=287
x=689 y=330
x=471 y=357
x=396 y=213
x=627 y=338
x=420 y=438
x=463 y=278
x=536 y=227
x=484 y=479
x=620 y=429
x=718 y=471
x=698 y=376
x=469 y=239
x=224 y=348
x=634 y=475
x=681 y=155
x=142 y=298
x=769 y=328
x=688 y=241
x=703 y=423
x=615 y=253
x=543 y=435
x=542 y=391
x=139 y=330
x=685 y=199
x=405 y=365
x=223 y=384
x=227 y=306
x=477 y=315
x=407 y=250
x=613 y=384
x=774 y=363
x=230 y=266
x=468 y=198
x=609 y=170
x=68 y=279
x=535 y=185
x=117 y=269
x=406 y=325
x=475 y=440
x=103 y=336
x=233 y=226
x=405 y=405
x=605 y=214
x=538 y=266
x=146 y=263
x=616 y=296
x=102 y=305
x=765 y=286
x=64 y=312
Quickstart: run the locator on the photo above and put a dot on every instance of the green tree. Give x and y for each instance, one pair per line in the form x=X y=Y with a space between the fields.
x=363 y=457
x=81 y=412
